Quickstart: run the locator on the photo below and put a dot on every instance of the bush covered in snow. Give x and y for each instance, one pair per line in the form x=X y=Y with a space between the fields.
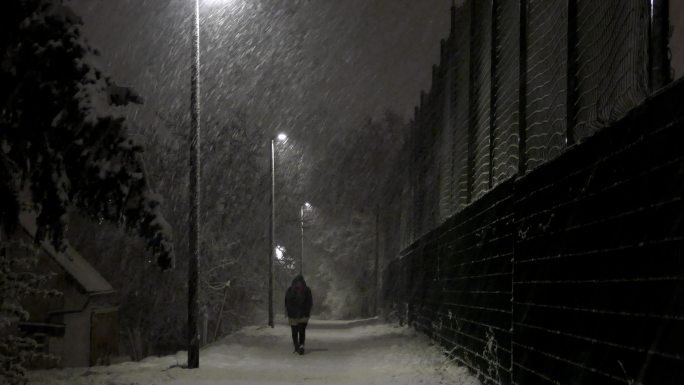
x=17 y=282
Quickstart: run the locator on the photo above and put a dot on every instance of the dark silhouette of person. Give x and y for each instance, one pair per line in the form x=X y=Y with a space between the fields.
x=298 y=303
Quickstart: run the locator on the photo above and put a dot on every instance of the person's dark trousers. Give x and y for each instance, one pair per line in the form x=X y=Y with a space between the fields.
x=302 y=333
x=298 y=334
x=295 y=336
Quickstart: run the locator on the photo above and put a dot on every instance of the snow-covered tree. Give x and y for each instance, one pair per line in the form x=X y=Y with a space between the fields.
x=63 y=144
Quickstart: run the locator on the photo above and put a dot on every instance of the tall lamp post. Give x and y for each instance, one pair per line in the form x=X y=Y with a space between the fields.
x=194 y=200
x=271 y=234
x=307 y=206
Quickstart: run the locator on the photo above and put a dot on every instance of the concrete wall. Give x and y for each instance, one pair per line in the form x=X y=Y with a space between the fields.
x=571 y=274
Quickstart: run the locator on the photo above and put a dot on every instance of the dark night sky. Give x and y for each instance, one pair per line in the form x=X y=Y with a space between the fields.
x=303 y=66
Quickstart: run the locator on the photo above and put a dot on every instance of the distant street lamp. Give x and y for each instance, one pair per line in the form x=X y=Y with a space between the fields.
x=280 y=253
x=307 y=206
x=271 y=243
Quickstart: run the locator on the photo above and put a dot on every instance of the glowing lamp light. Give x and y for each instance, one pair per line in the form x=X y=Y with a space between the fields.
x=282 y=137
x=228 y=3
x=279 y=253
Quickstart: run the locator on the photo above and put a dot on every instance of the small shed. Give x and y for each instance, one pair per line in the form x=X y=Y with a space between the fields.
x=81 y=326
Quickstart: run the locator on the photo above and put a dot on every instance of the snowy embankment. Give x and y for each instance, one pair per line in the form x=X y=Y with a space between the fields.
x=338 y=352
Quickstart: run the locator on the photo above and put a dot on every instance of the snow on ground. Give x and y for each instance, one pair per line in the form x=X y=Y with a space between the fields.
x=338 y=352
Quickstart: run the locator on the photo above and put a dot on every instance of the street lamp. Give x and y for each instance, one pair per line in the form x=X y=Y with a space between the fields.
x=194 y=200
x=194 y=166
x=271 y=245
x=307 y=206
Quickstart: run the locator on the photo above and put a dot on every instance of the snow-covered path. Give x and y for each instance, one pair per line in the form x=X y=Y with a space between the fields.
x=338 y=352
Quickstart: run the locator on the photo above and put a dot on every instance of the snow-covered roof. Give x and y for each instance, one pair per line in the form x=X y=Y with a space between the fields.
x=70 y=260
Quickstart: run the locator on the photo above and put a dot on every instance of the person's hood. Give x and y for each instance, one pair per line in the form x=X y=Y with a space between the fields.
x=299 y=278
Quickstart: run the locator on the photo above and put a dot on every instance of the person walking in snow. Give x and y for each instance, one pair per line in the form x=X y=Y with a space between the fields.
x=298 y=303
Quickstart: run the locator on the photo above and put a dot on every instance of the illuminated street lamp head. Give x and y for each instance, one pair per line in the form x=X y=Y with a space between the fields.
x=279 y=251
x=225 y=3
x=282 y=137
x=307 y=205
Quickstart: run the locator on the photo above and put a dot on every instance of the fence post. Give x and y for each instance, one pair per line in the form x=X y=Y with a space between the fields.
x=522 y=90
x=571 y=91
x=660 y=38
x=493 y=89
x=471 y=103
x=411 y=196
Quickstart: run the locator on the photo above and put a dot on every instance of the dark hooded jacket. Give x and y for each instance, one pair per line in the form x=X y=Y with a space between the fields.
x=298 y=300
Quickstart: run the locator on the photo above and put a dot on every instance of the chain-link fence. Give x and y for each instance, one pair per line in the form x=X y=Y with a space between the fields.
x=459 y=67
x=480 y=83
x=546 y=80
x=612 y=61
x=447 y=189
x=506 y=70
x=518 y=82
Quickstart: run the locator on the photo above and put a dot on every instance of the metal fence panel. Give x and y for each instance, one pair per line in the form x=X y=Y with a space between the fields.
x=460 y=68
x=466 y=134
x=406 y=229
x=417 y=178
x=546 y=80
x=431 y=130
x=612 y=61
x=480 y=77
x=505 y=99
x=447 y=189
